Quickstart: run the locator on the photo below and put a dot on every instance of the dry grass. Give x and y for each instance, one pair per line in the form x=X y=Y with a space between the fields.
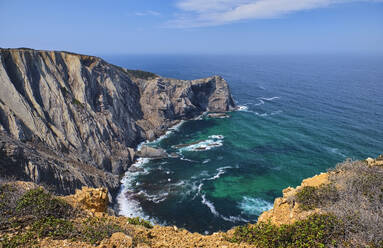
x=360 y=202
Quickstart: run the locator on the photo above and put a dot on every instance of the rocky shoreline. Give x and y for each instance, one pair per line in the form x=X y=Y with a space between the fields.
x=69 y=120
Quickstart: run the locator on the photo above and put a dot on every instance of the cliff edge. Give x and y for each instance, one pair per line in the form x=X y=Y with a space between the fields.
x=340 y=208
x=69 y=120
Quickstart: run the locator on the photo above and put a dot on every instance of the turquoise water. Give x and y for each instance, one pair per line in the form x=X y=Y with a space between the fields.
x=300 y=115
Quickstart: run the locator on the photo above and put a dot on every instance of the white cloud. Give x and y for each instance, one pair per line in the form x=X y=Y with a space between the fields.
x=148 y=13
x=197 y=13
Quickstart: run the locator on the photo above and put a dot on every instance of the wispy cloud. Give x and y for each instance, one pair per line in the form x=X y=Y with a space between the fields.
x=148 y=13
x=199 y=13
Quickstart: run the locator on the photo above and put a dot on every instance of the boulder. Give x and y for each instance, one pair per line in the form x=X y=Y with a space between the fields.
x=150 y=152
x=93 y=199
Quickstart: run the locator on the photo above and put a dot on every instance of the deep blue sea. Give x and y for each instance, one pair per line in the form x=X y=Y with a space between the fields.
x=300 y=115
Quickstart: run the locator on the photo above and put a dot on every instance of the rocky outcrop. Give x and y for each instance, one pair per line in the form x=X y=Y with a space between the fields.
x=150 y=152
x=95 y=200
x=375 y=162
x=69 y=120
x=286 y=210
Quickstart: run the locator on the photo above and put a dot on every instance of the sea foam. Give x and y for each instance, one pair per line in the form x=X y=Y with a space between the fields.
x=254 y=206
x=204 y=145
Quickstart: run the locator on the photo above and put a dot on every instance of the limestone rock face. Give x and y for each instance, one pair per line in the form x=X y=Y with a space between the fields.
x=375 y=162
x=92 y=199
x=69 y=120
x=287 y=212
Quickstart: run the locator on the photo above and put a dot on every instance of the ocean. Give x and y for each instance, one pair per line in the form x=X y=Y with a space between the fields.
x=299 y=115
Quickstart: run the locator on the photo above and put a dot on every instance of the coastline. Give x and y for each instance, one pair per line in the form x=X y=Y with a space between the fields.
x=120 y=197
x=132 y=208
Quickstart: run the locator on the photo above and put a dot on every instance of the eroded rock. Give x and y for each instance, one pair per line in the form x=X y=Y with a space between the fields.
x=75 y=120
x=150 y=152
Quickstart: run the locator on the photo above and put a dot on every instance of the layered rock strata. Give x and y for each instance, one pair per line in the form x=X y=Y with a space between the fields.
x=69 y=120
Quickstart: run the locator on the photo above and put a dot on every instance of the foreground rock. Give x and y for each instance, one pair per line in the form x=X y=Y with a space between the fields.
x=323 y=216
x=69 y=120
x=375 y=162
x=89 y=211
x=286 y=210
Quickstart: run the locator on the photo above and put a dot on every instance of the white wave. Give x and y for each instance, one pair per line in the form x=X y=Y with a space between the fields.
x=162 y=137
x=216 y=137
x=234 y=219
x=177 y=126
x=242 y=108
x=154 y=198
x=186 y=159
x=200 y=117
x=261 y=114
x=254 y=206
x=259 y=103
x=214 y=211
x=203 y=145
x=206 y=161
x=170 y=130
x=128 y=206
x=210 y=206
x=200 y=187
x=180 y=183
x=268 y=114
x=270 y=98
x=220 y=172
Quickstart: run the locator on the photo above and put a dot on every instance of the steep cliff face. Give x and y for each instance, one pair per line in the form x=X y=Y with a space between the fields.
x=75 y=111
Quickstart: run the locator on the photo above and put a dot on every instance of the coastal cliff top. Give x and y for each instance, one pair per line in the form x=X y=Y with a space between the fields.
x=315 y=214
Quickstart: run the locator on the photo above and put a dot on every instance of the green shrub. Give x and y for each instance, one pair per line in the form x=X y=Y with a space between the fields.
x=77 y=102
x=94 y=229
x=141 y=74
x=37 y=214
x=42 y=204
x=139 y=221
x=18 y=240
x=54 y=228
x=316 y=231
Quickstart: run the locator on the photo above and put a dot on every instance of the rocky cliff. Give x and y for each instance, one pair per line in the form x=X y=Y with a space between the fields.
x=68 y=120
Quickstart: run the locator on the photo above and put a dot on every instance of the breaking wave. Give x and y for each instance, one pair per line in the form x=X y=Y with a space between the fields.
x=214 y=211
x=214 y=141
x=254 y=206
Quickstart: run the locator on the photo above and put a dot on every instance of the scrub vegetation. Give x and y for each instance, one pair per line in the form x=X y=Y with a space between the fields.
x=352 y=213
x=29 y=216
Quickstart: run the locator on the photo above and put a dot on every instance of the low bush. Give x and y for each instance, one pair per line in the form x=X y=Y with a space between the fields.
x=139 y=221
x=42 y=204
x=317 y=230
x=310 y=197
x=36 y=214
x=141 y=74
x=360 y=202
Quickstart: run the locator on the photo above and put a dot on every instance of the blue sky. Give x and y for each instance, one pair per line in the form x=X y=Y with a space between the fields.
x=194 y=26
